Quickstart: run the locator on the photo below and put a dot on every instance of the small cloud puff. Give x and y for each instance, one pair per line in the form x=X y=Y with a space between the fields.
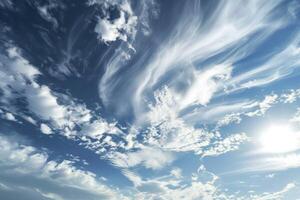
x=46 y=129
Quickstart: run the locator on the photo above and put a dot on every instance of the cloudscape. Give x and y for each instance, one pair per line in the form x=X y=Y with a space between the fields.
x=149 y=99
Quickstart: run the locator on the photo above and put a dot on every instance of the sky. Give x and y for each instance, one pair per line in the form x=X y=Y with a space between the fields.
x=149 y=99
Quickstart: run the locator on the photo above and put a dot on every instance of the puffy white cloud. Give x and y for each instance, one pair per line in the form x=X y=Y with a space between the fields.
x=18 y=65
x=120 y=28
x=57 y=110
x=97 y=128
x=10 y=116
x=19 y=76
x=46 y=129
x=42 y=103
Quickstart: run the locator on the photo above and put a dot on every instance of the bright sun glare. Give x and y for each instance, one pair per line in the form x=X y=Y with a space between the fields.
x=279 y=139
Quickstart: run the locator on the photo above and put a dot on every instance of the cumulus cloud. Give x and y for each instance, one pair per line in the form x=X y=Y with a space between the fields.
x=43 y=103
x=109 y=30
x=8 y=116
x=57 y=109
x=97 y=128
x=46 y=129
x=42 y=177
x=19 y=81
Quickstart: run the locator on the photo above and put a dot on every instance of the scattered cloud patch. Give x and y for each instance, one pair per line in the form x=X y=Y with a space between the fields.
x=46 y=129
x=230 y=143
x=122 y=27
x=27 y=161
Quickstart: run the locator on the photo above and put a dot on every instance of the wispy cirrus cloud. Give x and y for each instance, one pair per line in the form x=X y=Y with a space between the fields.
x=222 y=32
x=166 y=94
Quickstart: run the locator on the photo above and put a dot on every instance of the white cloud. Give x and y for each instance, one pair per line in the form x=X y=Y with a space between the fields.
x=120 y=28
x=280 y=65
x=45 y=12
x=50 y=195
x=41 y=173
x=206 y=83
x=97 y=128
x=18 y=65
x=151 y=158
x=10 y=116
x=270 y=176
x=230 y=143
x=296 y=117
x=264 y=106
x=168 y=131
x=133 y=177
x=275 y=195
x=172 y=187
x=291 y=96
x=46 y=129
x=230 y=118
x=58 y=111
x=220 y=112
x=225 y=31
x=19 y=75
x=202 y=73
x=250 y=109
x=176 y=172
x=43 y=103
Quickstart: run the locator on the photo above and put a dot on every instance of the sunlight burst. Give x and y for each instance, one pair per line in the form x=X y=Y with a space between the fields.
x=279 y=139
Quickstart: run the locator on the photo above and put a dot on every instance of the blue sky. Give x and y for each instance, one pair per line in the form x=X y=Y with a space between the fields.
x=123 y=99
